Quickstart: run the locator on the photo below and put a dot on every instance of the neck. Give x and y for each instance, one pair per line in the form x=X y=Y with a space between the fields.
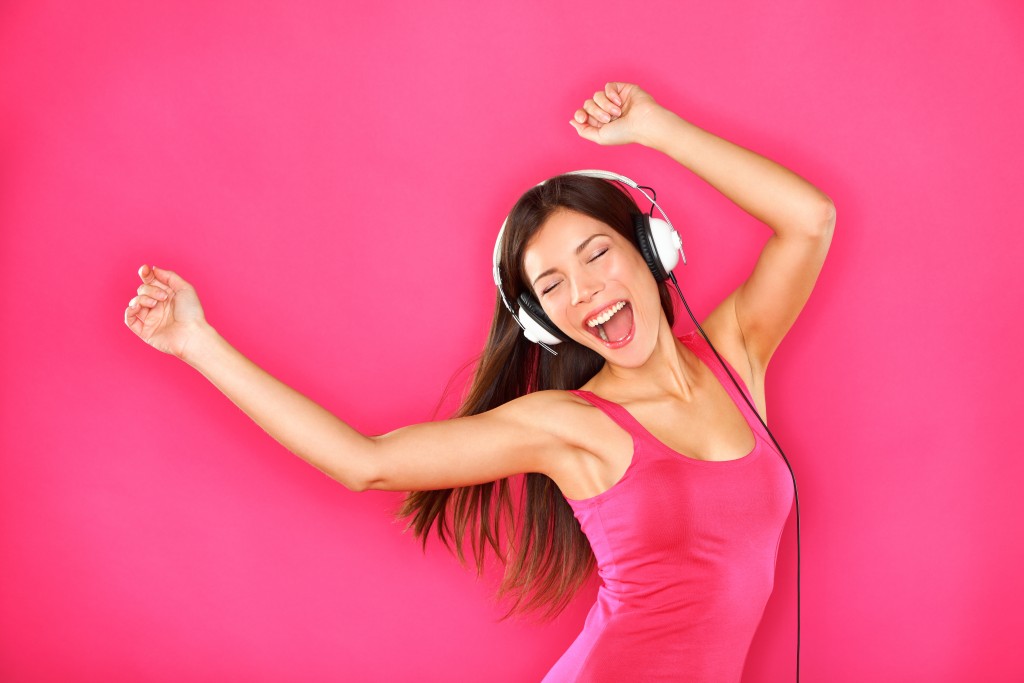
x=670 y=371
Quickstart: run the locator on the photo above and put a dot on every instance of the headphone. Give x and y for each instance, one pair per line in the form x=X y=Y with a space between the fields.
x=657 y=240
x=661 y=247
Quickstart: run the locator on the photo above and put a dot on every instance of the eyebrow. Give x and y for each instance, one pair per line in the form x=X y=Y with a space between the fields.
x=579 y=249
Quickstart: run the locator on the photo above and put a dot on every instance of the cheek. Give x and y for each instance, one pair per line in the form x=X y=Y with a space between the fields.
x=553 y=303
x=632 y=271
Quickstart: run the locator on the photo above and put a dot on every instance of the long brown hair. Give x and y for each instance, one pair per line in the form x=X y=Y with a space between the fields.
x=548 y=557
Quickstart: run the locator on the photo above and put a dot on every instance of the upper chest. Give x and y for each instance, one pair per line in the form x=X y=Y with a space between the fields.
x=707 y=425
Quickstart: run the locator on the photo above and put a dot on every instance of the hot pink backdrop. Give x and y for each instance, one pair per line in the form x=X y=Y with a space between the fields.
x=331 y=179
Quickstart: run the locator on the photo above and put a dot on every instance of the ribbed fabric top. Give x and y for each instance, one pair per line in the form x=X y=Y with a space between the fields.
x=686 y=552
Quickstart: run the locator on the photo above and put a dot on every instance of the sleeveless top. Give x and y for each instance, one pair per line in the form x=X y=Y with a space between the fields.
x=686 y=552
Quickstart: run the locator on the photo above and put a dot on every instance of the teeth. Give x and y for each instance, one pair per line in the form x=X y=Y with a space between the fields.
x=606 y=316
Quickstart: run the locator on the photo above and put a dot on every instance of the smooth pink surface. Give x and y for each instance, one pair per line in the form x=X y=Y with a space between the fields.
x=332 y=179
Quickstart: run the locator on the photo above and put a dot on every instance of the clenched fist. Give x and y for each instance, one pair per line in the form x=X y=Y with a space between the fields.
x=618 y=115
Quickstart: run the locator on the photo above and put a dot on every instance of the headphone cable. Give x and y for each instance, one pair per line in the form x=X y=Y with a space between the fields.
x=796 y=497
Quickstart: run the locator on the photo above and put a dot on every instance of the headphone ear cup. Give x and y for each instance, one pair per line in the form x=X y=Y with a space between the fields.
x=666 y=242
x=645 y=243
x=536 y=325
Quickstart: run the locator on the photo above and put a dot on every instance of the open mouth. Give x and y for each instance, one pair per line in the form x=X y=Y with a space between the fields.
x=614 y=325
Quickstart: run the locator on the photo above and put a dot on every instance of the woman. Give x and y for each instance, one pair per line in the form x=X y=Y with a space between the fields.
x=637 y=449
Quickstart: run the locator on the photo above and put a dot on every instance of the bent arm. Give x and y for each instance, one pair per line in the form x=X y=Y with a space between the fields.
x=764 y=307
x=768 y=191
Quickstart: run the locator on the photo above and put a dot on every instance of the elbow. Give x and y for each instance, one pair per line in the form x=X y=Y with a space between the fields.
x=360 y=482
x=814 y=220
x=825 y=219
x=356 y=486
x=359 y=473
x=348 y=480
x=365 y=475
x=367 y=481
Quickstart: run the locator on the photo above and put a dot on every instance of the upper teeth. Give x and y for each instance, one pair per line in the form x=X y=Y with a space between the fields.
x=604 y=317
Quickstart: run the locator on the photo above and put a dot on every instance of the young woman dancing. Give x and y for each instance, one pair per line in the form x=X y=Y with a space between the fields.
x=639 y=453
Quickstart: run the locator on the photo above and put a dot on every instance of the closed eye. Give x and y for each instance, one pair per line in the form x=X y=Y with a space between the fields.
x=592 y=259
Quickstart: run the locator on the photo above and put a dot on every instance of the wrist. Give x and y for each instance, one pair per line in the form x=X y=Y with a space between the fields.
x=199 y=345
x=659 y=127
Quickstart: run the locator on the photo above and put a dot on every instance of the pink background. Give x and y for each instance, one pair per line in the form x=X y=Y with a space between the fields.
x=331 y=180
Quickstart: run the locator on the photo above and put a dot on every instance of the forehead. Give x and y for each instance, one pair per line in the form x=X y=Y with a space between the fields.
x=558 y=238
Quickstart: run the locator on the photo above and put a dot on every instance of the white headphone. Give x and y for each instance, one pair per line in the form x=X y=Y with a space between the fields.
x=657 y=240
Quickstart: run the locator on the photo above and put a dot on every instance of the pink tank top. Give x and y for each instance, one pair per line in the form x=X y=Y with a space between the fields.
x=686 y=552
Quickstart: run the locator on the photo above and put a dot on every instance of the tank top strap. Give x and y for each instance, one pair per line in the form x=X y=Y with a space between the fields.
x=617 y=413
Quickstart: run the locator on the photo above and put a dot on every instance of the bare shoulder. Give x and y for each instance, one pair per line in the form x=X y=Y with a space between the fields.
x=532 y=433
x=558 y=413
x=590 y=444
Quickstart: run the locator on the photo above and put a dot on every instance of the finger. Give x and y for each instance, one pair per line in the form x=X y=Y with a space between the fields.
x=135 y=317
x=581 y=116
x=611 y=89
x=155 y=292
x=606 y=104
x=585 y=131
x=131 y=318
x=131 y=314
x=143 y=301
x=148 y=277
x=595 y=111
x=171 y=279
x=163 y=287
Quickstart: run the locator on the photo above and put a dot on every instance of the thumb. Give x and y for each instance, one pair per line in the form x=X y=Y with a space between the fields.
x=586 y=132
x=170 y=278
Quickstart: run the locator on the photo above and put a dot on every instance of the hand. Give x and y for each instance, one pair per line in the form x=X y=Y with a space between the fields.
x=616 y=116
x=166 y=312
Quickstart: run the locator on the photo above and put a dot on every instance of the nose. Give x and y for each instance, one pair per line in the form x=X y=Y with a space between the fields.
x=584 y=287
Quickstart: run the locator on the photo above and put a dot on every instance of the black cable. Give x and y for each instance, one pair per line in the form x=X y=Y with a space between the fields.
x=796 y=497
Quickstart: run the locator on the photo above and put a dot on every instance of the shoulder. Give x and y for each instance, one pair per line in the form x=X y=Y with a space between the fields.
x=572 y=424
x=554 y=411
x=580 y=436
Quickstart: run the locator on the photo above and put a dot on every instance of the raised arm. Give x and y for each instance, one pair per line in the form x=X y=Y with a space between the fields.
x=517 y=437
x=763 y=308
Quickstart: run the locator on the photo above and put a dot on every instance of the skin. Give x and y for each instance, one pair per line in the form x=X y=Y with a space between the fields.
x=664 y=385
x=655 y=377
